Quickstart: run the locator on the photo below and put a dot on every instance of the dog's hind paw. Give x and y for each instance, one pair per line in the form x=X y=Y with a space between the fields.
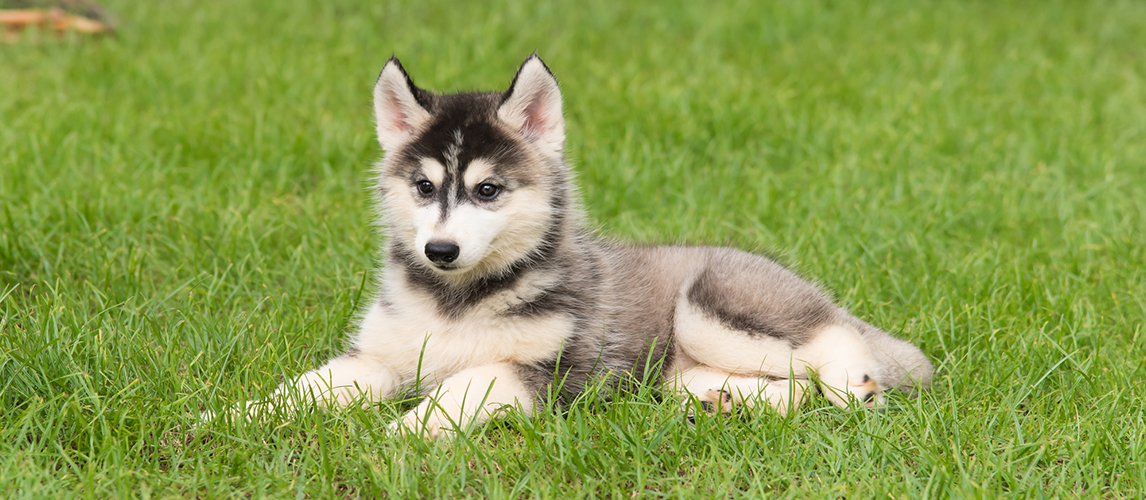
x=713 y=402
x=716 y=401
x=863 y=393
x=868 y=392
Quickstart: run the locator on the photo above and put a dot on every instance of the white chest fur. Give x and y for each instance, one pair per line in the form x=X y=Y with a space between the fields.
x=411 y=336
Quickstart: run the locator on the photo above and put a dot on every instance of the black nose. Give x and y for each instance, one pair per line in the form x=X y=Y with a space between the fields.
x=442 y=253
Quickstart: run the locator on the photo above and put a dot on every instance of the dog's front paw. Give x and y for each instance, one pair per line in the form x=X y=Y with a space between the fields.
x=417 y=423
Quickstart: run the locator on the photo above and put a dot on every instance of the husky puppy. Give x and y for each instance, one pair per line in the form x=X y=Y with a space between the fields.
x=494 y=290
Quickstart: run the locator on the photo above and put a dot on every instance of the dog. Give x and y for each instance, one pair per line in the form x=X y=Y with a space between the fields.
x=495 y=294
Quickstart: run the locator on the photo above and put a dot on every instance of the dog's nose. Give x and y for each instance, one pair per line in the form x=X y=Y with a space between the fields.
x=442 y=252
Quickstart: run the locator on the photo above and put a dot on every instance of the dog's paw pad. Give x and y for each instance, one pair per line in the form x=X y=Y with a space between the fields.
x=712 y=402
x=853 y=392
x=716 y=401
x=867 y=392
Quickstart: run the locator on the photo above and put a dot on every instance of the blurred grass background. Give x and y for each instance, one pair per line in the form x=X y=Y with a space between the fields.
x=185 y=221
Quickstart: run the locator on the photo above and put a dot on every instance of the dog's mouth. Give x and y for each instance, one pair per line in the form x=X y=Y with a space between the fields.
x=447 y=268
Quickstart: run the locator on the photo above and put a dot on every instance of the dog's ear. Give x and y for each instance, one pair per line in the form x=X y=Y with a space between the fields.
x=532 y=106
x=399 y=106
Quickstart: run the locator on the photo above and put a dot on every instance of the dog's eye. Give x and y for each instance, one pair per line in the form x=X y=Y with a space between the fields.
x=488 y=191
x=425 y=187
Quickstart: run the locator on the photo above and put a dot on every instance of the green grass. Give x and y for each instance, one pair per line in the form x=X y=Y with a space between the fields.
x=185 y=222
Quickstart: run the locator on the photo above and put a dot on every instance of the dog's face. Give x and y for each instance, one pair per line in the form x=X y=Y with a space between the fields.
x=468 y=179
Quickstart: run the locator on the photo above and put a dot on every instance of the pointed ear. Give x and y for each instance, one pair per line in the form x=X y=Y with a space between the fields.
x=399 y=106
x=532 y=106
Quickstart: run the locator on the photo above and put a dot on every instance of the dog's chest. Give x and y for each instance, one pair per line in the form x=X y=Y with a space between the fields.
x=411 y=335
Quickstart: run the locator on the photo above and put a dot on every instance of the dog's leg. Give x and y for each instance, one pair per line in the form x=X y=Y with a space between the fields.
x=341 y=381
x=719 y=391
x=468 y=397
x=844 y=366
x=747 y=316
x=835 y=355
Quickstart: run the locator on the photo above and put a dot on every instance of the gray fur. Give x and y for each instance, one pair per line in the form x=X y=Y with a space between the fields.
x=623 y=298
x=533 y=297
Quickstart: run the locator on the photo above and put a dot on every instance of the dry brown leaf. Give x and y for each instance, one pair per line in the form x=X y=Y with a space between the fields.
x=16 y=20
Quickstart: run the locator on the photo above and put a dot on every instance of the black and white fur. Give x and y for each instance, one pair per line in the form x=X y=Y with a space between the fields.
x=493 y=287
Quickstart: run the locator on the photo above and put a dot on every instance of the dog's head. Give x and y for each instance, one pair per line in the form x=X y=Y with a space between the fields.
x=474 y=182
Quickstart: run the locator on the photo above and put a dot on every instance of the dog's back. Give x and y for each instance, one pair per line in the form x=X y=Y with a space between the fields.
x=662 y=291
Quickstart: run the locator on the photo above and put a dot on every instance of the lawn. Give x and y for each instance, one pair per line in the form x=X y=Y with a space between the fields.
x=185 y=222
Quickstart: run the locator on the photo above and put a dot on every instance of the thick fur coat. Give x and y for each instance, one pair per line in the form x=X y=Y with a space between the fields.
x=493 y=289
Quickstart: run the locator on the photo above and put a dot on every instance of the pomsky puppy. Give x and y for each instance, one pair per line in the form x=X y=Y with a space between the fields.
x=494 y=292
